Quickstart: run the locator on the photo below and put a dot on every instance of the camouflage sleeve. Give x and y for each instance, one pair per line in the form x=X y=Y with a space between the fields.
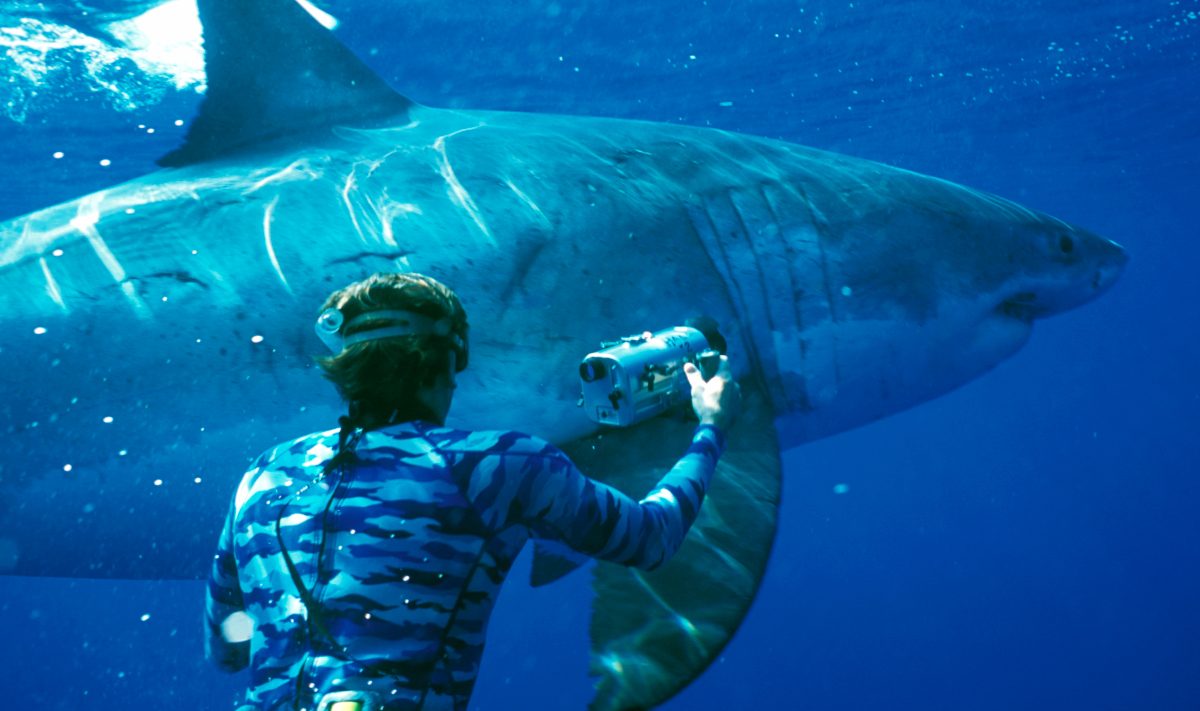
x=224 y=598
x=539 y=487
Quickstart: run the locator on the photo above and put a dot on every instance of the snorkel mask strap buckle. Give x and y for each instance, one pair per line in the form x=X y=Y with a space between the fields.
x=331 y=323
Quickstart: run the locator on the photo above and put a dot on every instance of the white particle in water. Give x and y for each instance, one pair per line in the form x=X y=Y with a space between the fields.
x=39 y=330
x=197 y=480
x=57 y=253
x=158 y=482
x=67 y=467
x=256 y=339
x=238 y=627
x=145 y=617
x=108 y=420
x=123 y=452
x=178 y=122
x=104 y=162
x=58 y=155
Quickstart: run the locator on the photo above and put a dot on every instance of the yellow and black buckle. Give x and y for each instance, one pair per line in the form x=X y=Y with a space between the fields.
x=348 y=701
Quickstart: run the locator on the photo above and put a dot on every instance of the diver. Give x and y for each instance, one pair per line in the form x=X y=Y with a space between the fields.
x=358 y=567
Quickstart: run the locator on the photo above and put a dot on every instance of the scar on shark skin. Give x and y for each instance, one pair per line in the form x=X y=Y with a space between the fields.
x=388 y=212
x=296 y=170
x=180 y=277
x=524 y=263
x=458 y=193
x=528 y=201
x=347 y=188
x=267 y=214
x=52 y=286
x=366 y=203
x=363 y=256
x=85 y=220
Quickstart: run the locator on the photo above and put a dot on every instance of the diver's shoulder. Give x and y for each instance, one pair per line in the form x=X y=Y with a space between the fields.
x=296 y=452
x=506 y=442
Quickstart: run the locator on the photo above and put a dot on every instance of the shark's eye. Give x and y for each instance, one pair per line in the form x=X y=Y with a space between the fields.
x=1066 y=244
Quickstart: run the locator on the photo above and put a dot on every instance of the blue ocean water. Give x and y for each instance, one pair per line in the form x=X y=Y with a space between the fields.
x=1025 y=542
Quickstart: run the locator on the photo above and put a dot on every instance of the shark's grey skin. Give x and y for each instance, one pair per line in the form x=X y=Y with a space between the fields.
x=852 y=289
x=157 y=335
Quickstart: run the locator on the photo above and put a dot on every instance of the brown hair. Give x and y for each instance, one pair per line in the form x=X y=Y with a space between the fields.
x=381 y=377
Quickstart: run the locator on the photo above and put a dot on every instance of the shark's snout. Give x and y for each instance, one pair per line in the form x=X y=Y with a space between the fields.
x=1111 y=265
x=1091 y=265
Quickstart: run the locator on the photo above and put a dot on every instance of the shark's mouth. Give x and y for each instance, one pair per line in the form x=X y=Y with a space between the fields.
x=1022 y=307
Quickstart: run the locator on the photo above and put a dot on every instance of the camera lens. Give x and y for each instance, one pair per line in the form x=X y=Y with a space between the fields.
x=592 y=370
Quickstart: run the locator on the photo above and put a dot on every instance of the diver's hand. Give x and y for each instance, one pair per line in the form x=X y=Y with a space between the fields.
x=718 y=400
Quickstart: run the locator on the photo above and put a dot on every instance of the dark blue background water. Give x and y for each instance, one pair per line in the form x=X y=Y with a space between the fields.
x=1029 y=541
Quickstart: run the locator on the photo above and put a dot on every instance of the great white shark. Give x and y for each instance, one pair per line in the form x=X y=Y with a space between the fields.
x=158 y=334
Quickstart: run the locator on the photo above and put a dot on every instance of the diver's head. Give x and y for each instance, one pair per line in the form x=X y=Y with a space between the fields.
x=397 y=342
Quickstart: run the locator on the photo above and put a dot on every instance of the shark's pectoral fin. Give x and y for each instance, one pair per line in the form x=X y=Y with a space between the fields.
x=653 y=632
x=552 y=561
x=272 y=71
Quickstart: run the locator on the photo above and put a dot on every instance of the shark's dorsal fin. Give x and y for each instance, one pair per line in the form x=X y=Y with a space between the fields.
x=273 y=71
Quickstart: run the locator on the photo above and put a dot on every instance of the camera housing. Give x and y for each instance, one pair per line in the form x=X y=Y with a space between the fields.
x=641 y=376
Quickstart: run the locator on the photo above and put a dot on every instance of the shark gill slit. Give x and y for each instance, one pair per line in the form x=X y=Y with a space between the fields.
x=744 y=226
x=703 y=223
x=819 y=232
x=795 y=286
x=775 y=375
x=777 y=217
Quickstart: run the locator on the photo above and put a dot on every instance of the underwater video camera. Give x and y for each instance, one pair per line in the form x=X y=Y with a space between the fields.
x=641 y=376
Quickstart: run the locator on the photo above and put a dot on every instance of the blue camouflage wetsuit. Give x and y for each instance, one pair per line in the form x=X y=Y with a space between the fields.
x=381 y=574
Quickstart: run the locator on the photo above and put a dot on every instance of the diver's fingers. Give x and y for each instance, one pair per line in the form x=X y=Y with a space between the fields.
x=723 y=370
x=695 y=378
